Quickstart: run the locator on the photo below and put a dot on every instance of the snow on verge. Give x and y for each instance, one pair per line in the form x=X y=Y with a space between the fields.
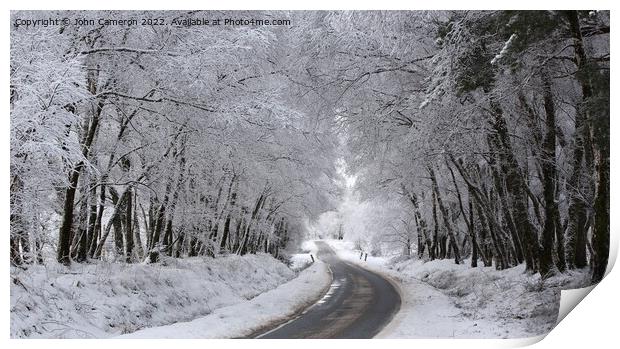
x=300 y=261
x=104 y=299
x=247 y=317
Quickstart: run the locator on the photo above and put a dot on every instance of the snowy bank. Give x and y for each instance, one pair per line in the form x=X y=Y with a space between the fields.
x=103 y=300
x=248 y=317
x=443 y=300
x=300 y=261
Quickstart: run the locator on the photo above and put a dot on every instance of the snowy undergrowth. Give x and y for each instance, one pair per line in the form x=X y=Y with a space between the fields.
x=249 y=317
x=443 y=299
x=105 y=299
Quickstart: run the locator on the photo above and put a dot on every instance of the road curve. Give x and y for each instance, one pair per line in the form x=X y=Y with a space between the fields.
x=358 y=304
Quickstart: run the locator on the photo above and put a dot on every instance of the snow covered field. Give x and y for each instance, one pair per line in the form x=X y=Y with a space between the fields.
x=104 y=300
x=445 y=300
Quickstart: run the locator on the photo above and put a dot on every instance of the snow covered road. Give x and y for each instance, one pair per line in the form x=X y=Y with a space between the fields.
x=358 y=304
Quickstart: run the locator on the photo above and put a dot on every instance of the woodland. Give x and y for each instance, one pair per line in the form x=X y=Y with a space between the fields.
x=476 y=136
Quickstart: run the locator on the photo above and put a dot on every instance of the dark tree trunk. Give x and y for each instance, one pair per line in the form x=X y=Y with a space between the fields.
x=79 y=239
x=224 y=240
x=515 y=187
x=117 y=224
x=487 y=219
x=16 y=257
x=472 y=232
x=63 y=253
x=600 y=228
x=193 y=247
x=97 y=226
x=129 y=219
x=18 y=234
x=115 y=217
x=598 y=124
x=168 y=236
x=245 y=242
x=468 y=222
x=600 y=231
x=138 y=247
x=576 y=232
x=559 y=235
x=158 y=225
x=577 y=214
x=549 y=185
x=148 y=222
x=446 y=218
x=159 y=222
x=90 y=230
x=435 y=246
x=422 y=227
x=178 y=251
x=421 y=238
x=484 y=237
x=505 y=208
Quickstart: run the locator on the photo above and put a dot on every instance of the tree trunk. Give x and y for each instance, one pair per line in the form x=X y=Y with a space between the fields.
x=600 y=231
x=90 y=230
x=79 y=239
x=433 y=252
x=63 y=253
x=243 y=248
x=599 y=133
x=18 y=233
x=129 y=219
x=136 y=229
x=446 y=217
x=472 y=232
x=159 y=222
x=487 y=218
x=549 y=176
x=97 y=227
x=505 y=208
x=117 y=224
x=115 y=216
x=515 y=186
x=576 y=232
x=422 y=227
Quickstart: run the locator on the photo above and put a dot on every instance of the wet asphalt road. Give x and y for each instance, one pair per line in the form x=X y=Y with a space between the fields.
x=358 y=304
